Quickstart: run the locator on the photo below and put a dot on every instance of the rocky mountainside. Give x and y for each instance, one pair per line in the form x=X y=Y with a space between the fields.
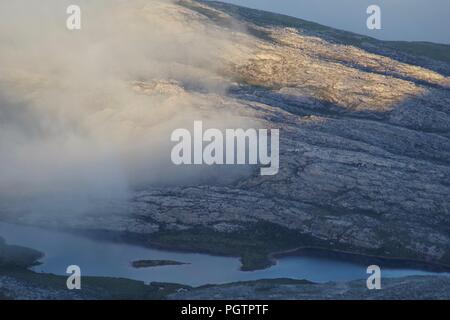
x=364 y=140
x=408 y=288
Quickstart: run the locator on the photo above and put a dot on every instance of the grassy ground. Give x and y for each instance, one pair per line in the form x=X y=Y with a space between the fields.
x=154 y=263
x=16 y=256
x=253 y=245
x=257 y=243
x=94 y=287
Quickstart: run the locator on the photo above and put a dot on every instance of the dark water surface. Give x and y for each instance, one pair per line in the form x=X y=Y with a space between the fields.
x=98 y=258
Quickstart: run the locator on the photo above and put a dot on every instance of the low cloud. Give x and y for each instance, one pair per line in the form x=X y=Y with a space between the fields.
x=86 y=115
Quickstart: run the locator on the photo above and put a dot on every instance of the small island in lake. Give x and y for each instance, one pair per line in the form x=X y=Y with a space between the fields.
x=155 y=263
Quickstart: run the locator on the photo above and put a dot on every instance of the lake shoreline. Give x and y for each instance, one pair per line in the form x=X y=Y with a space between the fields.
x=273 y=257
x=367 y=259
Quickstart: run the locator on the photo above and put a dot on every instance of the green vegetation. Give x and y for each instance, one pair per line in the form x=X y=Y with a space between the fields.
x=440 y=52
x=155 y=263
x=254 y=244
x=263 y=282
x=258 y=242
x=95 y=287
x=16 y=256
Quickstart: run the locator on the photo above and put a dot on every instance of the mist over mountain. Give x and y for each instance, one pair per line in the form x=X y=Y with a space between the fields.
x=86 y=117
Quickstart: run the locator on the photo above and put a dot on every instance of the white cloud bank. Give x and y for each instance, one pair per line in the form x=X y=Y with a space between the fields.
x=82 y=117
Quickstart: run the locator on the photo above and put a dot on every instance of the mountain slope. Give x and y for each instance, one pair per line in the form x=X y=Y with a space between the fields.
x=364 y=164
x=365 y=143
x=399 y=49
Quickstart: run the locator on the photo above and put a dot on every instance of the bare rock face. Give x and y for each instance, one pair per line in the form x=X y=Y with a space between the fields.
x=364 y=142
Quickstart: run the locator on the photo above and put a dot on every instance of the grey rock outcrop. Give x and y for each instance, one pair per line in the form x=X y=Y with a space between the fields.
x=365 y=141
